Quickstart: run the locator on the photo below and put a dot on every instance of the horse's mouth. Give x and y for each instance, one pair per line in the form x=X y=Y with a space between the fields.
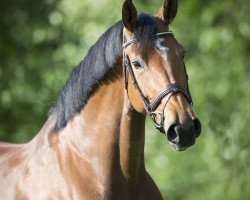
x=181 y=147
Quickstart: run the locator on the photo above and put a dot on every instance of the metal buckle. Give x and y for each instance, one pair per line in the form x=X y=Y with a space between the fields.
x=158 y=126
x=125 y=62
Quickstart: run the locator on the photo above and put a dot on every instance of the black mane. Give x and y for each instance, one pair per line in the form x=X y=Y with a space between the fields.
x=101 y=58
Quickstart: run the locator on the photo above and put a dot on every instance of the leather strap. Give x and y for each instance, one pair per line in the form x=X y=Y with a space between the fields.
x=173 y=89
x=127 y=65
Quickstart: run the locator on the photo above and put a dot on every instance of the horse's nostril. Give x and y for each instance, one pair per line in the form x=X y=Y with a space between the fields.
x=197 y=128
x=172 y=134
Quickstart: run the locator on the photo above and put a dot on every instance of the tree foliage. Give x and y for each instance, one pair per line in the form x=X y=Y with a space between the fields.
x=40 y=43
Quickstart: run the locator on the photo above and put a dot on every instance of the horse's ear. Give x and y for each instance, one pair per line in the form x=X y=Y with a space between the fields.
x=168 y=11
x=129 y=15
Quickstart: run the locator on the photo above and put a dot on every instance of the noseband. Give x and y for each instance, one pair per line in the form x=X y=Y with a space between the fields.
x=167 y=92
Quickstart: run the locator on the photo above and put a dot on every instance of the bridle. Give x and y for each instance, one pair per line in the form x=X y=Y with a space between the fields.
x=167 y=92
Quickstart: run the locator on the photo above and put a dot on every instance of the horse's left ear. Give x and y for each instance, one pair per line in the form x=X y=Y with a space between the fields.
x=168 y=11
x=129 y=15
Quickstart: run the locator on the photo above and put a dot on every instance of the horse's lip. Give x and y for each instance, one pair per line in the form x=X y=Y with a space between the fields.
x=176 y=148
x=179 y=147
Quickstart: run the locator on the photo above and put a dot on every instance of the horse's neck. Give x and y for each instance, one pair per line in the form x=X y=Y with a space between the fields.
x=107 y=136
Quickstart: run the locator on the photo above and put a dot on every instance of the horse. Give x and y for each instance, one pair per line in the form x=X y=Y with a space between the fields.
x=92 y=144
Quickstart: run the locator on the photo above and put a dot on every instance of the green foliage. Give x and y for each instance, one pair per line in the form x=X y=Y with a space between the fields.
x=40 y=43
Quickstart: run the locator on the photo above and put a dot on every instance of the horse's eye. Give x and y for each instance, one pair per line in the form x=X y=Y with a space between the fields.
x=137 y=64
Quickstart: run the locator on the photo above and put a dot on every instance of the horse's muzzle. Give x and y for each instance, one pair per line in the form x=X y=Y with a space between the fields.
x=181 y=137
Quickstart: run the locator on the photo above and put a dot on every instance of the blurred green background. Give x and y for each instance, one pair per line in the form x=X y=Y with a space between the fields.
x=41 y=41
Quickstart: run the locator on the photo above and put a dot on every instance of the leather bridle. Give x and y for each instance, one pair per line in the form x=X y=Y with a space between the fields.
x=167 y=92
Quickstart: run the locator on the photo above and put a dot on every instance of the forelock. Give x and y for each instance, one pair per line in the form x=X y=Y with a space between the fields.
x=145 y=30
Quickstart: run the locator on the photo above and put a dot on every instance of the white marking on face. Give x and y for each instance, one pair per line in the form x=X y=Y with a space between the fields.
x=162 y=49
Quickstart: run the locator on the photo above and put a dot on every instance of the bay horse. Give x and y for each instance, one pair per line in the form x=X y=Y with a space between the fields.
x=92 y=145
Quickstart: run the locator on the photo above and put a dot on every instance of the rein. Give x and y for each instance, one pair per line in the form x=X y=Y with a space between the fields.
x=167 y=92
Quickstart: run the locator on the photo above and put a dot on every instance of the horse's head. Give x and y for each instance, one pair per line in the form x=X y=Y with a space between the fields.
x=154 y=61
